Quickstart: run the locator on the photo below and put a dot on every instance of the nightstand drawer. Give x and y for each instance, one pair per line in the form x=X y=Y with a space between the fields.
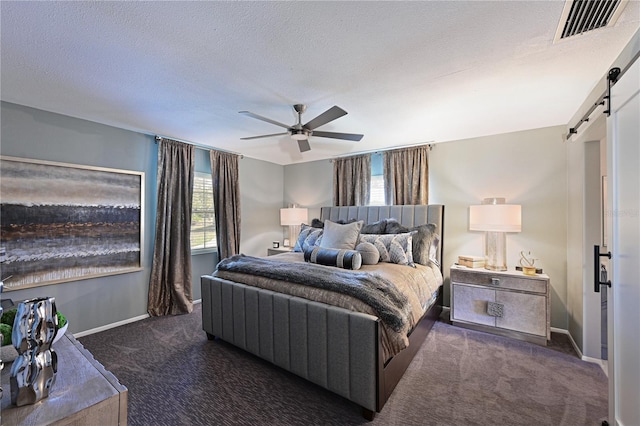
x=526 y=313
x=470 y=304
x=499 y=280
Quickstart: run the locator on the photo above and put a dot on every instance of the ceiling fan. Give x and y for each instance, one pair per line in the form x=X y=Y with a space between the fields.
x=301 y=132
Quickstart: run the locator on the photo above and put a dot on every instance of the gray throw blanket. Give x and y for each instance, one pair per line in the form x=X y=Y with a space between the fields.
x=379 y=293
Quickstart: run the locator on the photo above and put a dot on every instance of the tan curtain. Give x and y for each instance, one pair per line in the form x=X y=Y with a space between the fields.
x=352 y=180
x=170 y=282
x=226 y=202
x=406 y=176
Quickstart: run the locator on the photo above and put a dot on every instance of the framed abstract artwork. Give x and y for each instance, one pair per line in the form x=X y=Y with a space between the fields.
x=65 y=222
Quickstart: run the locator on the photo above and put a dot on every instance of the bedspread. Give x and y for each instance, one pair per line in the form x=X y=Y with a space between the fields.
x=418 y=284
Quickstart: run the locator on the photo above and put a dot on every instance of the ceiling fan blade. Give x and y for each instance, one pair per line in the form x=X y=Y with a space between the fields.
x=303 y=144
x=329 y=115
x=263 y=136
x=348 y=136
x=268 y=120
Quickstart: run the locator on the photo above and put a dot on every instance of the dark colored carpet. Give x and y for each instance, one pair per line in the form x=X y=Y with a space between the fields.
x=176 y=376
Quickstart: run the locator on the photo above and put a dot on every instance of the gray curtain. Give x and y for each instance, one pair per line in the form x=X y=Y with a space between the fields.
x=352 y=180
x=226 y=202
x=406 y=176
x=170 y=282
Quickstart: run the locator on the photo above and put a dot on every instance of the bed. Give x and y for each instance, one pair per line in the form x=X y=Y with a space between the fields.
x=344 y=351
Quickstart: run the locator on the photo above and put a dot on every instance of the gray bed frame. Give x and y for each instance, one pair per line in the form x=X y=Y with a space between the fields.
x=332 y=347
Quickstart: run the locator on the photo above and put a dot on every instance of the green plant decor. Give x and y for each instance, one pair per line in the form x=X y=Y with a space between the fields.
x=62 y=320
x=8 y=317
x=6 y=331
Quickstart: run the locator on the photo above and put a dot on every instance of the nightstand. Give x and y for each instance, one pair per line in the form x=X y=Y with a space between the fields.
x=272 y=251
x=508 y=303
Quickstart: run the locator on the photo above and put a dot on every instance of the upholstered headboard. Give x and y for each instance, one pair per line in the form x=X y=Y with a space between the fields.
x=407 y=215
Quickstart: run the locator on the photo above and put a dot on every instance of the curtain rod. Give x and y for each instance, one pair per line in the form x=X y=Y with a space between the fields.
x=200 y=146
x=377 y=151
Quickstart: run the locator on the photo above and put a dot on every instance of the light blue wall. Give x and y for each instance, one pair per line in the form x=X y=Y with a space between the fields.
x=99 y=302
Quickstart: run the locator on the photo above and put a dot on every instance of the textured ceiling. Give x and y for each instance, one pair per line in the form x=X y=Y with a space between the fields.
x=406 y=72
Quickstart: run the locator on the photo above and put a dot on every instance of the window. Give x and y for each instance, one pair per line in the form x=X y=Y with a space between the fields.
x=376 y=195
x=203 y=223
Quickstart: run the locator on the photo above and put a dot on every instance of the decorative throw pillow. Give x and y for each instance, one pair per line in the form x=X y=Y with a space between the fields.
x=374 y=228
x=340 y=236
x=341 y=258
x=425 y=241
x=369 y=252
x=317 y=223
x=393 y=248
x=308 y=237
x=313 y=239
x=425 y=244
x=394 y=227
x=433 y=250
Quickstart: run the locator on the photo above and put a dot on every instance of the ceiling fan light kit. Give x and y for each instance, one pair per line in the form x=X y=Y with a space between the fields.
x=300 y=135
x=301 y=132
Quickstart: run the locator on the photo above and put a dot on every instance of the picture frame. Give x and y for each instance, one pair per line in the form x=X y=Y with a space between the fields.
x=64 y=222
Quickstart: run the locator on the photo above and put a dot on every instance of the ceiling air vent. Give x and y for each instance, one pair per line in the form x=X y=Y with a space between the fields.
x=581 y=16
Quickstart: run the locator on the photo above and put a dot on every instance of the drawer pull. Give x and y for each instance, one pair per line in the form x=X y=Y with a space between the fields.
x=495 y=281
x=495 y=309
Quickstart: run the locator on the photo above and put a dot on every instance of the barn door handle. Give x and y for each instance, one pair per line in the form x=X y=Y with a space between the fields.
x=599 y=270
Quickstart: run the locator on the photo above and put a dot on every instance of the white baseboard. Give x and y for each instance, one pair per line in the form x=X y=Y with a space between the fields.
x=600 y=362
x=109 y=326
x=117 y=324
x=573 y=342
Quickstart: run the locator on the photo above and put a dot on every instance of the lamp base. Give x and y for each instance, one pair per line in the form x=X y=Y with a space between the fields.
x=495 y=268
x=495 y=251
x=294 y=231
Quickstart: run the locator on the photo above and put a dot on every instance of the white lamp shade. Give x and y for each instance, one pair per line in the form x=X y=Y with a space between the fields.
x=293 y=216
x=495 y=218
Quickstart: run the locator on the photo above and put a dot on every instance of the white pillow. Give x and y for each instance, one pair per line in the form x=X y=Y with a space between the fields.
x=339 y=236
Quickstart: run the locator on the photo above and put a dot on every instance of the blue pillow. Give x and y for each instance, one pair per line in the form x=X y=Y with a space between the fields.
x=308 y=236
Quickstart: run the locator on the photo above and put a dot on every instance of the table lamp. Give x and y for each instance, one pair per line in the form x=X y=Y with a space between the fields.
x=293 y=217
x=495 y=218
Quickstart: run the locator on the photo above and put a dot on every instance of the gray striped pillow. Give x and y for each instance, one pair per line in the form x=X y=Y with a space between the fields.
x=393 y=248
